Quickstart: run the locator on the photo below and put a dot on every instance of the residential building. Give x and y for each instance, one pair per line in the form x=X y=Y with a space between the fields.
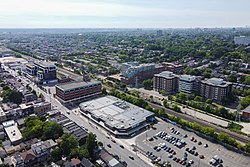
x=187 y=84
x=44 y=71
x=74 y=162
x=109 y=159
x=29 y=158
x=215 y=89
x=246 y=113
x=134 y=73
x=242 y=40
x=2 y=115
x=69 y=93
x=13 y=132
x=119 y=117
x=43 y=149
x=175 y=68
x=17 y=160
x=86 y=163
x=166 y=81
x=41 y=108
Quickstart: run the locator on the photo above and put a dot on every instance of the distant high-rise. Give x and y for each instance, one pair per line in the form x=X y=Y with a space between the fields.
x=159 y=33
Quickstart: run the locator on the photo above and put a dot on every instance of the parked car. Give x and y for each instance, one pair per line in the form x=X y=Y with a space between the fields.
x=205 y=145
x=109 y=145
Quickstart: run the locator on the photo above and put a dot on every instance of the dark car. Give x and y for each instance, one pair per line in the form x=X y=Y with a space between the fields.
x=131 y=157
x=199 y=143
x=122 y=146
x=109 y=145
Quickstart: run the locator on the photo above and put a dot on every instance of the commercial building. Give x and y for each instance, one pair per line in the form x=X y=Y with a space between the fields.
x=134 y=73
x=70 y=127
x=44 y=71
x=187 y=84
x=13 y=132
x=120 y=118
x=242 y=40
x=75 y=92
x=215 y=89
x=166 y=81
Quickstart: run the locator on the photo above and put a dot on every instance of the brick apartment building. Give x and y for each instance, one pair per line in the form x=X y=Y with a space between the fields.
x=166 y=81
x=77 y=91
x=175 y=68
x=215 y=89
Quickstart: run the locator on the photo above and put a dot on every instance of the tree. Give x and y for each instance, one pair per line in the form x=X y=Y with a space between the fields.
x=247 y=147
x=52 y=130
x=13 y=96
x=147 y=84
x=91 y=143
x=197 y=98
x=163 y=92
x=68 y=143
x=232 y=78
x=209 y=101
x=104 y=91
x=245 y=101
x=247 y=80
x=56 y=154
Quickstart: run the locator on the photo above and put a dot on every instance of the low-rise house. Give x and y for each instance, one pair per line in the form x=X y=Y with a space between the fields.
x=43 y=149
x=246 y=113
x=29 y=158
x=41 y=108
x=17 y=160
x=72 y=163
x=86 y=163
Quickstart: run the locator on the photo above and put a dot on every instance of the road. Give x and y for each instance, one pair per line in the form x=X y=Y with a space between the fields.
x=101 y=134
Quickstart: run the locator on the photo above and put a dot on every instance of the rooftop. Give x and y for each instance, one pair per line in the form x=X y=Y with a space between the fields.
x=247 y=110
x=166 y=74
x=116 y=112
x=74 y=85
x=45 y=64
x=13 y=133
x=216 y=82
x=187 y=78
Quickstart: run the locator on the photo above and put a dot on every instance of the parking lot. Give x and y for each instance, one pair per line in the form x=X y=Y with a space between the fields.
x=171 y=143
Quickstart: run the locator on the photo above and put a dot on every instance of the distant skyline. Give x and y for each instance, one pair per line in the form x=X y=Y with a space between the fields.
x=124 y=13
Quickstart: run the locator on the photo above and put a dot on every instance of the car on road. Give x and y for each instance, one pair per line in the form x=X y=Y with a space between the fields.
x=113 y=140
x=131 y=157
x=109 y=145
x=122 y=146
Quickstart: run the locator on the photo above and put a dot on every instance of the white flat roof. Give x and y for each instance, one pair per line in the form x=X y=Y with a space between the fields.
x=13 y=133
x=116 y=112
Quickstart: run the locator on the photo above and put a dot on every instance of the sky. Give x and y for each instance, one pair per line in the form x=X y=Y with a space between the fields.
x=124 y=13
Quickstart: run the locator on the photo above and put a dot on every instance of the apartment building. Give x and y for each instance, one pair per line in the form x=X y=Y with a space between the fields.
x=175 y=68
x=77 y=91
x=134 y=73
x=187 y=84
x=214 y=88
x=166 y=81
